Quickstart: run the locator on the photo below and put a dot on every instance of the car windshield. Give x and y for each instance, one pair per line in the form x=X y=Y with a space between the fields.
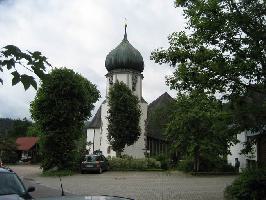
x=10 y=184
x=90 y=158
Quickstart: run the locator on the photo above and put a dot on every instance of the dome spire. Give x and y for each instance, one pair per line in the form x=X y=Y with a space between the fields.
x=125 y=35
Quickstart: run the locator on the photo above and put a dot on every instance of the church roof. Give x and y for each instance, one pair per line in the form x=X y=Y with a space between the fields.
x=124 y=56
x=96 y=121
x=155 y=130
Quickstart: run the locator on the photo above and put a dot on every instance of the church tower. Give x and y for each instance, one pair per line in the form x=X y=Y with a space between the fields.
x=124 y=63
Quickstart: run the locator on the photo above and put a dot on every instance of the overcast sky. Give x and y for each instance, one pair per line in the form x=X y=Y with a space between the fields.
x=78 y=34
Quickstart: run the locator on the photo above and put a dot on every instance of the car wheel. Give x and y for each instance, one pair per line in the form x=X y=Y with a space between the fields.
x=82 y=171
x=100 y=170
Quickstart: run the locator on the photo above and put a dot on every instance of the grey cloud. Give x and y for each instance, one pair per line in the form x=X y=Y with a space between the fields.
x=79 y=34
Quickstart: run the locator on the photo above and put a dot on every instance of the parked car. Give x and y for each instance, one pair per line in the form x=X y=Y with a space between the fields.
x=11 y=187
x=94 y=163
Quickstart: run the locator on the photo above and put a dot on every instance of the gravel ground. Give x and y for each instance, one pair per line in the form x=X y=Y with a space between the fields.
x=136 y=185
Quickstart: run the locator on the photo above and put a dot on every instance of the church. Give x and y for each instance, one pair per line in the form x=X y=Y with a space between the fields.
x=124 y=63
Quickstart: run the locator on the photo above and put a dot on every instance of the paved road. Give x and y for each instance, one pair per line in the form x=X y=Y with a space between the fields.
x=136 y=185
x=42 y=190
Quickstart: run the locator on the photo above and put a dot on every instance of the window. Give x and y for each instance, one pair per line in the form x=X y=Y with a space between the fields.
x=109 y=148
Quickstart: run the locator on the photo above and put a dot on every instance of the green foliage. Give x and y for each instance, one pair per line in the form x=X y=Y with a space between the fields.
x=123 y=117
x=5 y=125
x=186 y=165
x=11 y=57
x=8 y=150
x=14 y=127
x=223 y=52
x=164 y=160
x=80 y=151
x=199 y=128
x=250 y=184
x=206 y=165
x=128 y=164
x=62 y=104
x=34 y=131
x=19 y=128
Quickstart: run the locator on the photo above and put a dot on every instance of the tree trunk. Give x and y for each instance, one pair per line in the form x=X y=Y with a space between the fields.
x=196 y=158
x=118 y=154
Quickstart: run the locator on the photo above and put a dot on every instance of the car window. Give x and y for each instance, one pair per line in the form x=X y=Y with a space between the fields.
x=10 y=184
x=91 y=158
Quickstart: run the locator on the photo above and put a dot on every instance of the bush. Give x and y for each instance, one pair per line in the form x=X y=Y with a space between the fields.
x=185 y=165
x=128 y=163
x=164 y=160
x=206 y=165
x=251 y=184
x=10 y=157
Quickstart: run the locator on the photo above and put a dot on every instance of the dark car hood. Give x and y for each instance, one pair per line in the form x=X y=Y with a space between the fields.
x=85 y=198
x=11 y=197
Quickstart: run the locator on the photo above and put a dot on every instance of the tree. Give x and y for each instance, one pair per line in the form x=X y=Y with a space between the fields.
x=8 y=149
x=123 y=117
x=64 y=100
x=34 y=131
x=199 y=128
x=19 y=128
x=11 y=57
x=223 y=52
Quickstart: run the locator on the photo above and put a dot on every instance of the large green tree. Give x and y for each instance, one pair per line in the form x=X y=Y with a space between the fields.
x=223 y=51
x=199 y=128
x=19 y=128
x=19 y=62
x=123 y=117
x=64 y=100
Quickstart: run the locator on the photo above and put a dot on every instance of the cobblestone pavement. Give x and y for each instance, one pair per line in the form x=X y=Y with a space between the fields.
x=136 y=185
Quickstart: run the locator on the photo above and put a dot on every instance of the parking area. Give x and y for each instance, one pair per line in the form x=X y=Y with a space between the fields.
x=136 y=185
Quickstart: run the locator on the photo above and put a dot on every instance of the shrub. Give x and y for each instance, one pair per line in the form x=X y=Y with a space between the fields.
x=251 y=184
x=185 y=165
x=164 y=160
x=9 y=157
x=128 y=163
x=206 y=165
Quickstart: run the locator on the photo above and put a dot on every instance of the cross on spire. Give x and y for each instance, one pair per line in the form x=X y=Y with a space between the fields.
x=125 y=35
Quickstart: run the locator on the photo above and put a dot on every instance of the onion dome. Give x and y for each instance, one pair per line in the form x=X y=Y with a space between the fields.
x=124 y=56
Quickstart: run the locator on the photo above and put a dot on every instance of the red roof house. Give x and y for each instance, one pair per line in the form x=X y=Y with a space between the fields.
x=26 y=143
x=27 y=148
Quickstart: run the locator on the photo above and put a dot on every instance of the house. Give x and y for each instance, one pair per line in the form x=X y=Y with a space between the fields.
x=27 y=148
x=157 y=119
x=258 y=156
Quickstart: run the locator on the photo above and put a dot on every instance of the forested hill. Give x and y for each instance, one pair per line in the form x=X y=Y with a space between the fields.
x=6 y=125
x=14 y=127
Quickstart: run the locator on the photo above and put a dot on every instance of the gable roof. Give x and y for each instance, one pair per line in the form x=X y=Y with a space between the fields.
x=155 y=130
x=96 y=121
x=26 y=143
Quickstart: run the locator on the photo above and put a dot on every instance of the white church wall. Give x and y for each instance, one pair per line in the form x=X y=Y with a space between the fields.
x=93 y=136
x=236 y=149
x=90 y=133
